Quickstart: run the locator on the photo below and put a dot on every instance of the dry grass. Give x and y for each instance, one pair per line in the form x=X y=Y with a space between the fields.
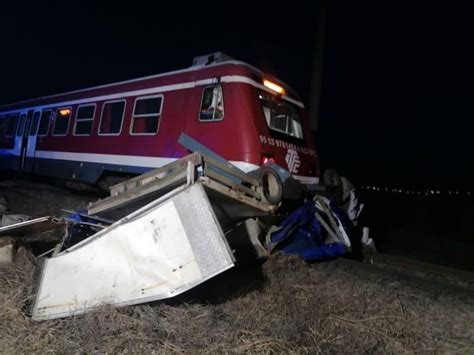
x=281 y=306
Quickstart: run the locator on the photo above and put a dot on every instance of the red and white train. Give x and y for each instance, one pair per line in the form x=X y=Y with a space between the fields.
x=130 y=127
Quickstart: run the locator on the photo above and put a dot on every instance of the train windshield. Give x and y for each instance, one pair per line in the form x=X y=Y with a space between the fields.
x=281 y=116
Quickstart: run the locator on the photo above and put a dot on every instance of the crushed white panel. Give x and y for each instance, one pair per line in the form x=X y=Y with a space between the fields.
x=164 y=250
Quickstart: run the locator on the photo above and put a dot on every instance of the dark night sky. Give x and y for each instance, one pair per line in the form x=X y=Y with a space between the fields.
x=396 y=89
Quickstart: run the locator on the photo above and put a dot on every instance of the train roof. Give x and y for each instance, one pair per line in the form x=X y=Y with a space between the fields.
x=214 y=64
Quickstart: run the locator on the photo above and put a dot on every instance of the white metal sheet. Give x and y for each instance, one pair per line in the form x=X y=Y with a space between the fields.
x=159 y=253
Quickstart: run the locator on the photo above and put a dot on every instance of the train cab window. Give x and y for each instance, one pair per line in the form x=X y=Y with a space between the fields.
x=35 y=123
x=84 y=120
x=112 y=118
x=44 y=122
x=146 y=115
x=281 y=116
x=10 y=125
x=61 y=122
x=212 y=104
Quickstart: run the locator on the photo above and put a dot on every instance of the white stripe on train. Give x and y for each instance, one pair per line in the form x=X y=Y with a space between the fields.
x=156 y=90
x=136 y=160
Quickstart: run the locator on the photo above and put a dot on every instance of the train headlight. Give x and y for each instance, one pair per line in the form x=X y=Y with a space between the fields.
x=272 y=86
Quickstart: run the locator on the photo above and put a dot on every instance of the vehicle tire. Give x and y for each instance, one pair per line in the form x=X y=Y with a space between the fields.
x=272 y=187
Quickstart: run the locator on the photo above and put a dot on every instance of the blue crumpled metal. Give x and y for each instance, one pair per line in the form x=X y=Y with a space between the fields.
x=301 y=234
x=77 y=216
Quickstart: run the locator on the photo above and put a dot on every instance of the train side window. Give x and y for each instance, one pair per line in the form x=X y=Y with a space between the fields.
x=10 y=125
x=212 y=104
x=84 y=119
x=44 y=123
x=61 y=123
x=146 y=115
x=2 y=126
x=112 y=118
x=35 y=123
x=21 y=125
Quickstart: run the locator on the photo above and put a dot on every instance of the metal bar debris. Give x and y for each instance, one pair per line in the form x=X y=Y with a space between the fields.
x=222 y=178
x=226 y=168
x=33 y=226
x=157 y=174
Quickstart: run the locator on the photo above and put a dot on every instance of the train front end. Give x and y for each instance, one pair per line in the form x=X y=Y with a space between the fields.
x=285 y=137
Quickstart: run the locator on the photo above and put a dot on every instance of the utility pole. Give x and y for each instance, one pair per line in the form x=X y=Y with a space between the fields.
x=318 y=63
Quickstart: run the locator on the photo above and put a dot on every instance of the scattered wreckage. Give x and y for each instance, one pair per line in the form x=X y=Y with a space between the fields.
x=164 y=232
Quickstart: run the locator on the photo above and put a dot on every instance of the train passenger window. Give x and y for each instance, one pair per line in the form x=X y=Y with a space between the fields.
x=10 y=125
x=35 y=123
x=44 y=122
x=61 y=122
x=212 y=104
x=146 y=115
x=21 y=125
x=112 y=118
x=84 y=120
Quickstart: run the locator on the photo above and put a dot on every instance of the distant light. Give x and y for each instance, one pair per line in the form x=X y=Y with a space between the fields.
x=65 y=112
x=273 y=86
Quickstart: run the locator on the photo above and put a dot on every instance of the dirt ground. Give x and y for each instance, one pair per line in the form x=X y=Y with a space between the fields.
x=281 y=305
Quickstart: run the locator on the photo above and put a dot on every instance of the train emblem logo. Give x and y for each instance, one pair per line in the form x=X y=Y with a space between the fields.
x=292 y=160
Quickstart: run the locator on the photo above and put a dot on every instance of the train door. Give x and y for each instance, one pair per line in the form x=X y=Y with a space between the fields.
x=207 y=118
x=30 y=135
x=21 y=141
